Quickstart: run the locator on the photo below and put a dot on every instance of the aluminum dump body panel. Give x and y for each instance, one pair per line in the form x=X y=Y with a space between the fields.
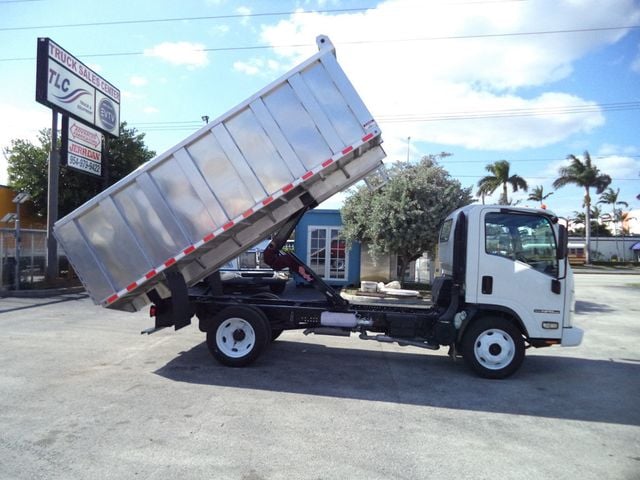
x=300 y=140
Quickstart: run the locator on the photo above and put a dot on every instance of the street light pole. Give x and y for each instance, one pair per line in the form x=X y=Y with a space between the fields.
x=19 y=200
x=18 y=248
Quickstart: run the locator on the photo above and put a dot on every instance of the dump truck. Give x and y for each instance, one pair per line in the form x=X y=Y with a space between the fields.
x=160 y=235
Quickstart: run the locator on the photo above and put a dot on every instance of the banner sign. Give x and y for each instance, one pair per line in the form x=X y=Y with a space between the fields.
x=65 y=83
x=81 y=146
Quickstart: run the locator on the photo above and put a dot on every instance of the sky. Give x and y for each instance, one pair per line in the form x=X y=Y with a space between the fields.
x=528 y=81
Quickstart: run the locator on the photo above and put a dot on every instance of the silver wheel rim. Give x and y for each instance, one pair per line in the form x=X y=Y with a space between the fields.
x=235 y=337
x=494 y=349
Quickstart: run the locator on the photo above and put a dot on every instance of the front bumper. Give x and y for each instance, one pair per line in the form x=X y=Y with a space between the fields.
x=572 y=336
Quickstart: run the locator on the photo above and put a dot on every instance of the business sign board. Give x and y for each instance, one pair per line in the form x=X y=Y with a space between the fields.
x=66 y=84
x=81 y=146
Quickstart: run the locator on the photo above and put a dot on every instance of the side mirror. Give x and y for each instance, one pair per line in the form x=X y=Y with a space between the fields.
x=563 y=242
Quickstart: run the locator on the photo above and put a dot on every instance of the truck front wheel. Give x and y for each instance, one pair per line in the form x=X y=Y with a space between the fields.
x=493 y=347
x=238 y=336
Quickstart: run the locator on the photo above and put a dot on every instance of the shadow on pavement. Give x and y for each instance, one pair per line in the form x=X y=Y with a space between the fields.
x=591 y=307
x=61 y=299
x=546 y=386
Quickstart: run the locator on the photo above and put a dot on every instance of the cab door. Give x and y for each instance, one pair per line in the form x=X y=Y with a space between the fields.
x=518 y=269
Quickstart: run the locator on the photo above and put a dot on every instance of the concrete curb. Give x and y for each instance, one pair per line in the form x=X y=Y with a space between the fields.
x=605 y=271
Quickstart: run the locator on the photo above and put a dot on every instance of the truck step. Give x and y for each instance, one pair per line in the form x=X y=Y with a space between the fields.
x=403 y=342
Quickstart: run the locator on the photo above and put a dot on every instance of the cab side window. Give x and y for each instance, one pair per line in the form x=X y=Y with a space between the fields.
x=522 y=238
x=445 y=231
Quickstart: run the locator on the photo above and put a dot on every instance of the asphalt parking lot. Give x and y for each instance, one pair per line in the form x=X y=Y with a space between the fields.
x=84 y=395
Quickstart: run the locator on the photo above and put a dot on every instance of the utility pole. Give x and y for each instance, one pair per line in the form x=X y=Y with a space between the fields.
x=52 y=200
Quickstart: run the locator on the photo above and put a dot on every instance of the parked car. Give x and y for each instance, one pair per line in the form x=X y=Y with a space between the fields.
x=249 y=271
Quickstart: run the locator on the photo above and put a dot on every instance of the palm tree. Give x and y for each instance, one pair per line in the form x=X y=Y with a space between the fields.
x=610 y=197
x=585 y=175
x=538 y=195
x=483 y=191
x=500 y=177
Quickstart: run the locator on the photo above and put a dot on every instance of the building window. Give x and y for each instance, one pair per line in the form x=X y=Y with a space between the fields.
x=327 y=253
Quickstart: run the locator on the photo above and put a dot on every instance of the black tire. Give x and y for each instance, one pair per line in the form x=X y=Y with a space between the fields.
x=493 y=347
x=239 y=335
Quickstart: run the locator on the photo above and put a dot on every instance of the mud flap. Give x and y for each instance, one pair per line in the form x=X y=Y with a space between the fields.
x=176 y=310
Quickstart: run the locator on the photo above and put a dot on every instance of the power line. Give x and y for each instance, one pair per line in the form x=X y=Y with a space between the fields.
x=179 y=19
x=354 y=42
x=530 y=160
x=548 y=178
x=219 y=17
x=515 y=112
x=186 y=125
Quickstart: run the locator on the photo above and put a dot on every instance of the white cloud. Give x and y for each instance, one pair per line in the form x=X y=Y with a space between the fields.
x=611 y=149
x=619 y=166
x=129 y=95
x=391 y=56
x=150 y=110
x=95 y=67
x=250 y=68
x=246 y=11
x=219 y=30
x=138 y=81
x=190 y=54
x=257 y=66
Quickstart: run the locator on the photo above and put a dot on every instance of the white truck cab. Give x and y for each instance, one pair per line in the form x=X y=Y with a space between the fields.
x=511 y=270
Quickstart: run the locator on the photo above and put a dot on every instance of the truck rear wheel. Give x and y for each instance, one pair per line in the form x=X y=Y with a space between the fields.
x=238 y=336
x=493 y=347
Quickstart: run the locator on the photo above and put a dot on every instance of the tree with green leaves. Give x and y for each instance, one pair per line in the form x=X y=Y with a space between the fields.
x=405 y=215
x=28 y=169
x=586 y=175
x=538 y=195
x=500 y=177
x=610 y=197
x=598 y=228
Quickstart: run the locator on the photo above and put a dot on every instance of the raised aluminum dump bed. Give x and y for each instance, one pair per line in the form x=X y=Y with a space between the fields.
x=300 y=140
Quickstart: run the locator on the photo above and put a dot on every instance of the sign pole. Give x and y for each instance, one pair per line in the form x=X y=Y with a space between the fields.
x=105 y=164
x=52 y=200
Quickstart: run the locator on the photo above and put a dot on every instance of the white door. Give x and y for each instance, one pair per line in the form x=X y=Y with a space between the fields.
x=327 y=254
x=517 y=267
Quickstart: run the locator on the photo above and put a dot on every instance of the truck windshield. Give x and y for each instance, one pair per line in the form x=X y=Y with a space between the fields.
x=523 y=238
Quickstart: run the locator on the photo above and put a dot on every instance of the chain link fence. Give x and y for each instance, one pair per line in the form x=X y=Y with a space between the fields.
x=32 y=258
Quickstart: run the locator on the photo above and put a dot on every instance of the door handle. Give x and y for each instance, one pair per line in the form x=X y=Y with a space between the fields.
x=487 y=285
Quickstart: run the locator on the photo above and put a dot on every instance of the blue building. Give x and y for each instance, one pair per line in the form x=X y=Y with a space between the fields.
x=319 y=244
